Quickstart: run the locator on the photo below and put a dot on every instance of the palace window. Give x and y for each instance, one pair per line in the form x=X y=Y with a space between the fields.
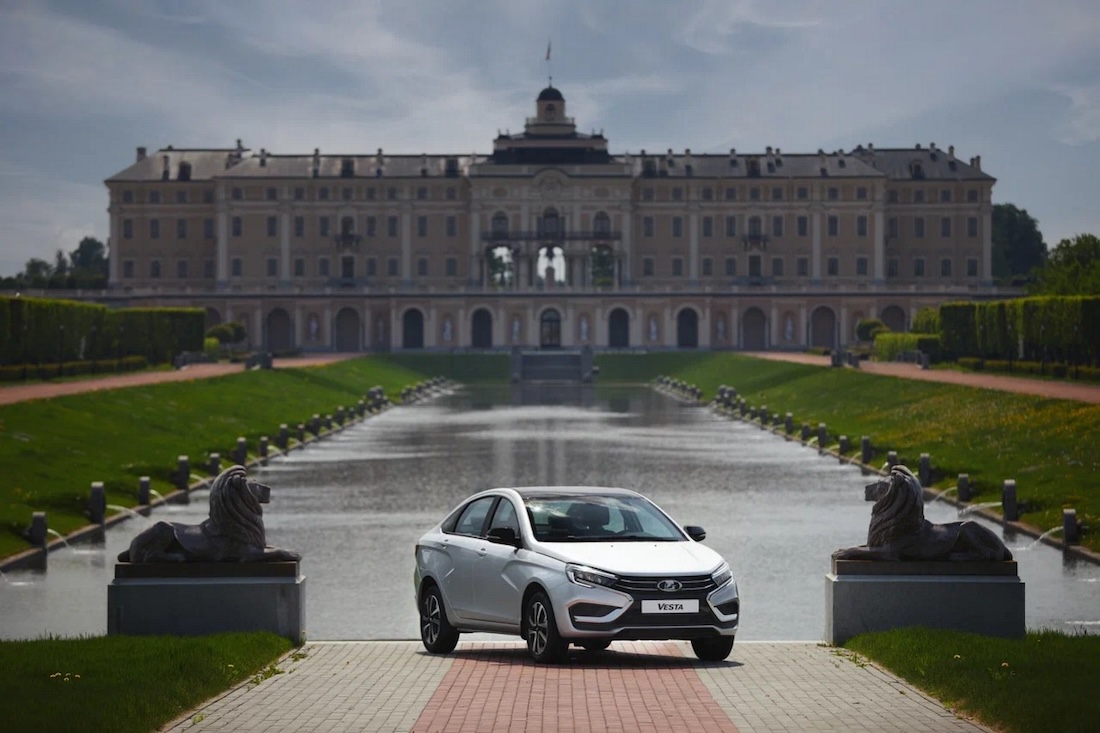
x=299 y=193
x=803 y=193
x=803 y=226
x=181 y=269
x=299 y=226
x=181 y=229
x=861 y=193
x=392 y=267
x=237 y=226
x=323 y=226
x=154 y=197
x=372 y=226
x=677 y=266
x=299 y=267
x=731 y=226
x=272 y=226
x=421 y=226
x=832 y=266
x=918 y=267
x=272 y=193
x=372 y=267
x=918 y=226
x=833 y=225
x=708 y=226
x=451 y=266
x=422 y=266
x=754 y=193
x=154 y=229
x=708 y=267
x=861 y=226
x=236 y=194
x=945 y=267
x=834 y=193
x=647 y=267
x=777 y=267
x=892 y=227
x=323 y=267
x=918 y=196
x=154 y=269
x=861 y=265
x=236 y=267
x=127 y=228
x=777 y=226
x=777 y=193
x=945 y=226
x=731 y=267
x=181 y=197
x=127 y=197
x=128 y=268
x=647 y=226
x=945 y=195
x=731 y=194
x=323 y=193
x=972 y=267
x=452 y=226
x=803 y=266
x=972 y=226
x=208 y=269
x=272 y=267
x=677 y=226
x=972 y=196
x=391 y=226
x=892 y=267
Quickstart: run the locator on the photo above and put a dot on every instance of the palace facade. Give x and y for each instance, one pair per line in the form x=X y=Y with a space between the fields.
x=551 y=240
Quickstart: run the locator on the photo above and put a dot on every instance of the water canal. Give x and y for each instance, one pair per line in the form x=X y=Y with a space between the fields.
x=354 y=505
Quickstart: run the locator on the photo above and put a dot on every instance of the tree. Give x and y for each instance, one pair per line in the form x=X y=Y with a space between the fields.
x=89 y=263
x=1073 y=268
x=1018 y=246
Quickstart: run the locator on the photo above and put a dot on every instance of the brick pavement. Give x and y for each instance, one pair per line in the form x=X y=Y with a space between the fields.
x=636 y=686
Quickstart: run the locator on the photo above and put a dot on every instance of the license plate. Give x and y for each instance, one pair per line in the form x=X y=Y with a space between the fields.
x=690 y=605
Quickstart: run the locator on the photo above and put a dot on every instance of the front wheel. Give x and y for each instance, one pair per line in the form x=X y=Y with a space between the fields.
x=436 y=632
x=712 y=649
x=543 y=640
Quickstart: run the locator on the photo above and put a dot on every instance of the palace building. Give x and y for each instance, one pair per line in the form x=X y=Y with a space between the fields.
x=551 y=240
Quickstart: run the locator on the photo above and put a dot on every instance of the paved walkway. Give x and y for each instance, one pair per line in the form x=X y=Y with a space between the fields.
x=1059 y=390
x=10 y=394
x=634 y=686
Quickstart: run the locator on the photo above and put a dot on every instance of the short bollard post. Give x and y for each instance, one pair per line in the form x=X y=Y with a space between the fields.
x=844 y=445
x=316 y=429
x=1008 y=501
x=789 y=423
x=776 y=420
x=822 y=435
x=241 y=454
x=964 y=487
x=892 y=458
x=328 y=422
x=301 y=432
x=183 y=473
x=763 y=413
x=283 y=440
x=214 y=466
x=143 y=491
x=924 y=469
x=1069 y=526
x=361 y=408
x=37 y=532
x=805 y=431
x=263 y=448
x=865 y=453
x=97 y=503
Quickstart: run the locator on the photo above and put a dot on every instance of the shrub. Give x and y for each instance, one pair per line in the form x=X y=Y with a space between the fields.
x=868 y=328
x=211 y=347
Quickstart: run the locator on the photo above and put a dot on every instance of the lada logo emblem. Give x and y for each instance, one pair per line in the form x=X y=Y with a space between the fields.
x=669 y=586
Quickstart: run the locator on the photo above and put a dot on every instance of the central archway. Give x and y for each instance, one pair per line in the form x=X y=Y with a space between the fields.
x=278 y=332
x=481 y=329
x=754 y=334
x=687 y=329
x=347 y=330
x=550 y=329
x=412 y=329
x=618 y=326
x=823 y=328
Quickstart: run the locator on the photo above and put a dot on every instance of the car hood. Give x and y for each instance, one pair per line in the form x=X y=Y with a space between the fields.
x=637 y=558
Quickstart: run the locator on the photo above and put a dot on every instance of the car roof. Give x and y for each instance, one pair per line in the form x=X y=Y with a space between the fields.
x=533 y=491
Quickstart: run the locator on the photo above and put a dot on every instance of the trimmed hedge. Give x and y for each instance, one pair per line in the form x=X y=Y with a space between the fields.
x=1048 y=328
x=48 y=331
x=891 y=346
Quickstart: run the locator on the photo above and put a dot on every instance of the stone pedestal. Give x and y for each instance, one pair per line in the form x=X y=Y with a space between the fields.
x=980 y=597
x=192 y=599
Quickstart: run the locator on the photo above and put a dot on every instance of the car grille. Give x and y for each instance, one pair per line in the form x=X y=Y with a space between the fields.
x=645 y=586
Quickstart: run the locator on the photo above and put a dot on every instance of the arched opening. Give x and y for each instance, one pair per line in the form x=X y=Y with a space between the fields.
x=823 y=328
x=279 y=339
x=551 y=266
x=550 y=329
x=894 y=318
x=618 y=329
x=481 y=335
x=601 y=266
x=687 y=329
x=412 y=329
x=499 y=267
x=347 y=330
x=754 y=330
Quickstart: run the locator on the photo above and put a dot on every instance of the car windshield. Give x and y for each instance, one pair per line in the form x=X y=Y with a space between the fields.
x=598 y=518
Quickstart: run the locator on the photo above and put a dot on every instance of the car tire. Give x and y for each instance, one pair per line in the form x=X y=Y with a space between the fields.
x=712 y=649
x=544 y=642
x=595 y=645
x=436 y=632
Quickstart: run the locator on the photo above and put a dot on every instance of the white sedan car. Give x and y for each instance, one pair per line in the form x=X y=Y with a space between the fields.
x=559 y=565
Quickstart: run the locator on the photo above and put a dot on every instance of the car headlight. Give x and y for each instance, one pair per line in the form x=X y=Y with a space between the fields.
x=583 y=575
x=722 y=575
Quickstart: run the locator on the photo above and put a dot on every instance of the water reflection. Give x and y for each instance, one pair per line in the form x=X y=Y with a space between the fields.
x=355 y=504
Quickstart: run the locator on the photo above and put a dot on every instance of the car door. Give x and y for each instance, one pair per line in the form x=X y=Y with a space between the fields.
x=497 y=590
x=463 y=544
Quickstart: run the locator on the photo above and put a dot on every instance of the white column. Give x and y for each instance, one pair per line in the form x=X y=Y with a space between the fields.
x=774 y=335
x=477 y=253
x=693 y=246
x=880 y=246
x=627 y=245
x=987 y=243
x=284 y=242
x=406 y=244
x=222 y=246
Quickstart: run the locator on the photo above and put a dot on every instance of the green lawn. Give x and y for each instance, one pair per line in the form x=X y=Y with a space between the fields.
x=1044 y=444
x=1045 y=681
x=126 y=684
x=51 y=450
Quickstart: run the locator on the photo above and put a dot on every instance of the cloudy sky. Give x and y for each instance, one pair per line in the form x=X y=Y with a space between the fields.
x=82 y=83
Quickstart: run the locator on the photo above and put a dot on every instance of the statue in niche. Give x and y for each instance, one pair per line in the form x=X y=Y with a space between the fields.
x=314 y=326
x=584 y=327
x=788 y=328
x=720 y=327
x=899 y=531
x=447 y=330
x=234 y=532
x=515 y=329
x=653 y=328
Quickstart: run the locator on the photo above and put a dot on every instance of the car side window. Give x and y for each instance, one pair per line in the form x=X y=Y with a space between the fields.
x=505 y=516
x=472 y=520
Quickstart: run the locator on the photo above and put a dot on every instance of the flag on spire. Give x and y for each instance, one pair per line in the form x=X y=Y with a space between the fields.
x=548 y=50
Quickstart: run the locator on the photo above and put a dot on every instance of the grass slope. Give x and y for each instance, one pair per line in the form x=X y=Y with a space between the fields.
x=1043 y=444
x=1045 y=681
x=51 y=450
x=124 y=683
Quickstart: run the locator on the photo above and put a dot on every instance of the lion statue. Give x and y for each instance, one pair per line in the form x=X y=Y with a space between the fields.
x=899 y=531
x=233 y=533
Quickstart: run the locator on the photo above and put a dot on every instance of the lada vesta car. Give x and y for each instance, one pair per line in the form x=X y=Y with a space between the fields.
x=572 y=565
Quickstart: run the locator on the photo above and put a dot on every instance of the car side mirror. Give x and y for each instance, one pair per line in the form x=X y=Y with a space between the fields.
x=696 y=533
x=504 y=536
